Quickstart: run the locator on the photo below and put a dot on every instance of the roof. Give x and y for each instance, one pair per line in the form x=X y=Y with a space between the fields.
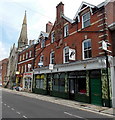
x=68 y=19
x=44 y=34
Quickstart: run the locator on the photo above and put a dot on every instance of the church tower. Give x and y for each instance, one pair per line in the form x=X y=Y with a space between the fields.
x=23 y=40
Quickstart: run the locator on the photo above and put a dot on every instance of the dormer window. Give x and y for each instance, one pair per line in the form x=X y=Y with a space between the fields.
x=66 y=30
x=43 y=43
x=86 y=20
x=52 y=37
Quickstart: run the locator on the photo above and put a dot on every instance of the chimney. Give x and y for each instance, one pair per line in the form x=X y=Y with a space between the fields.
x=49 y=26
x=60 y=11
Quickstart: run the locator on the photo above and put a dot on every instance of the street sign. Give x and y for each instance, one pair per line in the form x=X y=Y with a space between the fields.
x=71 y=54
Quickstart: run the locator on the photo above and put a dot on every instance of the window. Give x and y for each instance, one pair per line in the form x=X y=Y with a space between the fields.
x=22 y=70
x=52 y=58
x=86 y=20
x=66 y=30
x=30 y=54
x=25 y=68
x=43 y=43
x=66 y=54
x=23 y=56
x=82 y=85
x=39 y=81
x=29 y=67
x=20 y=57
x=41 y=60
x=27 y=55
x=87 y=53
x=52 y=37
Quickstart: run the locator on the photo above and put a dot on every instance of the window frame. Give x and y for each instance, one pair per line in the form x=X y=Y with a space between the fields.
x=66 y=30
x=83 y=50
x=64 y=59
x=52 y=37
x=30 y=53
x=52 y=57
x=83 y=22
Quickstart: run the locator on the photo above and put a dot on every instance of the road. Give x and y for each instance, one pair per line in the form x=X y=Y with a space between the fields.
x=18 y=106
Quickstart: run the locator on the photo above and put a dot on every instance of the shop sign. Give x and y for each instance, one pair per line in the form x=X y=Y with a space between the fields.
x=51 y=66
x=28 y=74
x=40 y=64
x=17 y=72
x=71 y=54
x=104 y=45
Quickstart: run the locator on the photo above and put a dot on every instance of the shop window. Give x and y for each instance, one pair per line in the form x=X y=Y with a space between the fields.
x=40 y=81
x=82 y=85
x=27 y=83
x=59 y=82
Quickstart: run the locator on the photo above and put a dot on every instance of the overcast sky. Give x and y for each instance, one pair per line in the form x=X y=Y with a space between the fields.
x=39 y=12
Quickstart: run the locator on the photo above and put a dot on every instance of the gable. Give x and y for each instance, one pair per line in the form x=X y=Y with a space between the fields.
x=83 y=6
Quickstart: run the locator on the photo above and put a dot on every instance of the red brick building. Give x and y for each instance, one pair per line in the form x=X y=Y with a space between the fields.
x=25 y=68
x=110 y=9
x=71 y=62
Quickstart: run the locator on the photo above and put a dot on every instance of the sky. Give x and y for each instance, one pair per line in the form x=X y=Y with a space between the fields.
x=39 y=12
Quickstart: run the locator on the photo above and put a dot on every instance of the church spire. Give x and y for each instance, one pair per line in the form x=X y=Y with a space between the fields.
x=24 y=21
x=23 y=40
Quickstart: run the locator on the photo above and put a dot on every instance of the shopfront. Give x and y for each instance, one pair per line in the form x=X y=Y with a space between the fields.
x=27 y=81
x=40 y=84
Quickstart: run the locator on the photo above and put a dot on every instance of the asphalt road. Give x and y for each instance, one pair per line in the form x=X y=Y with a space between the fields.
x=17 y=106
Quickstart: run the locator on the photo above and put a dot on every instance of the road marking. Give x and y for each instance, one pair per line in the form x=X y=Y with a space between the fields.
x=24 y=116
x=1 y=102
x=12 y=108
x=73 y=115
x=18 y=113
x=8 y=106
x=5 y=104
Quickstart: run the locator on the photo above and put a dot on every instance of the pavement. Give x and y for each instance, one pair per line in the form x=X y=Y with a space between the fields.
x=65 y=102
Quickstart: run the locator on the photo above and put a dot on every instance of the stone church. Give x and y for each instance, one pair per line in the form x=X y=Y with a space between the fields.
x=13 y=57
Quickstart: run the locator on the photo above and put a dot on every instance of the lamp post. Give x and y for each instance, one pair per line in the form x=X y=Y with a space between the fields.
x=104 y=47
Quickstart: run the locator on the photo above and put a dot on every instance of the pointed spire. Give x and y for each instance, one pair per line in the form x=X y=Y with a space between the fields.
x=25 y=21
x=23 y=40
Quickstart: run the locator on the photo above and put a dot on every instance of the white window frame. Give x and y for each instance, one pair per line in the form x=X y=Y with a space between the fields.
x=66 y=30
x=26 y=55
x=52 y=37
x=65 y=55
x=85 y=20
x=83 y=54
x=23 y=56
x=25 y=68
x=20 y=58
x=30 y=53
x=51 y=57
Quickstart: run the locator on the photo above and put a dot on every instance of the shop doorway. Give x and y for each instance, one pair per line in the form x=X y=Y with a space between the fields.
x=96 y=88
x=71 y=89
x=28 y=84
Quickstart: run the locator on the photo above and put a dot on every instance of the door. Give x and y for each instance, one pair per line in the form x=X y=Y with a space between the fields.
x=48 y=85
x=71 y=89
x=96 y=94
